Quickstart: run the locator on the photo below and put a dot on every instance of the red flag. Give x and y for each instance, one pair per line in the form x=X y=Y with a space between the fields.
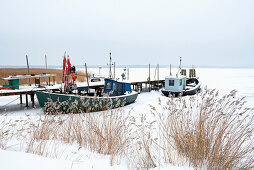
x=69 y=65
x=64 y=63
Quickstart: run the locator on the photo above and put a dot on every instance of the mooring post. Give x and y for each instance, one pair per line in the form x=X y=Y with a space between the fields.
x=87 y=79
x=128 y=73
x=170 y=70
x=47 y=69
x=28 y=72
x=114 y=70
x=158 y=74
x=149 y=79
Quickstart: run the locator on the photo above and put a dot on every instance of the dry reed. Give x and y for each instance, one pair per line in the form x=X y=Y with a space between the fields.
x=209 y=131
x=5 y=72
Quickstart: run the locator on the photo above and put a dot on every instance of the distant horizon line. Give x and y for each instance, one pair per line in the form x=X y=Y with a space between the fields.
x=122 y=66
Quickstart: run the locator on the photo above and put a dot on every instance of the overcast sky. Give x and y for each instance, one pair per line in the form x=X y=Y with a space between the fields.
x=203 y=32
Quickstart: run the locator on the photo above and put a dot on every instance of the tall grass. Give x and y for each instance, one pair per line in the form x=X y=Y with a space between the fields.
x=209 y=131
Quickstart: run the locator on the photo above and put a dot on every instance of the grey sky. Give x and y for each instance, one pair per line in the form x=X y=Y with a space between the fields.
x=203 y=32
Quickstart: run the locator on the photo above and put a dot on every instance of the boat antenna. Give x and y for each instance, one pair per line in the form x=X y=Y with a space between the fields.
x=170 y=69
x=180 y=67
x=110 y=60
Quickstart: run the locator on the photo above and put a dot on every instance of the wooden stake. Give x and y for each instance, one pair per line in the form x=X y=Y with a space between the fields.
x=63 y=77
x=28 y=72
x=149 y=79
x=170 y=70
x=26 y=100
x=46 y=63
x=158 y=73
x=47 y=68
x=128 y=72
x=87 y=79
x=32 y=99
x=114 y=70
x=20 y=98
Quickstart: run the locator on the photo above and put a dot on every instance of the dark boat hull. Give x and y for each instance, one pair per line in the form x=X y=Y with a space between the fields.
x=83 y=103
x=191 y=91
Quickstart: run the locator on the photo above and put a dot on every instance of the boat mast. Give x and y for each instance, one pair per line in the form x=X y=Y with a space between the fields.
x=170 y=70
x=180 y=67
x=110 y=60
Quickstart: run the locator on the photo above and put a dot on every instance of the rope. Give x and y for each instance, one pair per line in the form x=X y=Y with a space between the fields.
x=10 y=102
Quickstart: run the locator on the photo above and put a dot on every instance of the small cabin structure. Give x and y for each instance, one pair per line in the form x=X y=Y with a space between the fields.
x=175 y=84
x=116 y=88
x=96 y=79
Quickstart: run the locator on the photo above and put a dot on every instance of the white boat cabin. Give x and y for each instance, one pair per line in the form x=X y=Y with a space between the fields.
x=175 y=84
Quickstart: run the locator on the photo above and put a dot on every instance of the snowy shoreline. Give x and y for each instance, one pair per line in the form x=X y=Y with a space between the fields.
x=226 y=81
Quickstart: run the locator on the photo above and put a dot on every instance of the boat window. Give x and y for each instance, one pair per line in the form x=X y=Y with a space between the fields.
x=171 y=83
x=95 y=80
x=120 y=89
x=114 y=86
x=108 y=85
x=181 y=82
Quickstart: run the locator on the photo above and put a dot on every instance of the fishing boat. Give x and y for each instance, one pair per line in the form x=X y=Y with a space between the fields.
x=79 y=99
x=115 y=94
x=180 y=85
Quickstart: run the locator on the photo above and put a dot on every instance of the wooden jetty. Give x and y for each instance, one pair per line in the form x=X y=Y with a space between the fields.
x=14 y=84
x=150 y=84
x=31 y=90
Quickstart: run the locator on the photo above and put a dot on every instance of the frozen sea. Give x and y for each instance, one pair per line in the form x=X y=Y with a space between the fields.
x=222 y=79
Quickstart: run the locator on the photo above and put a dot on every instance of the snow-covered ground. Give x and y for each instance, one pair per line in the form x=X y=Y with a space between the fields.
x=12 y=158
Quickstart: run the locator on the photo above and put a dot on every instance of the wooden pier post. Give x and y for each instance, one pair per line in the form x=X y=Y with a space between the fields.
x=158 y=75
x=20 y=98
x=48 y=83
x=149 y=79
x=87 y=79
x=26 y=100
x=170 y=70
x=128 y=72
x=28 y=72
x=114 y=70
x=32 y=99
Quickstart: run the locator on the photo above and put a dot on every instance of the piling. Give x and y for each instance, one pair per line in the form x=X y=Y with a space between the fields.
x=28 y=72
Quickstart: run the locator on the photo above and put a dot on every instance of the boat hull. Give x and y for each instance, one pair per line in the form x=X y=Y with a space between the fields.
x=65 y=102
x=192 y=91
